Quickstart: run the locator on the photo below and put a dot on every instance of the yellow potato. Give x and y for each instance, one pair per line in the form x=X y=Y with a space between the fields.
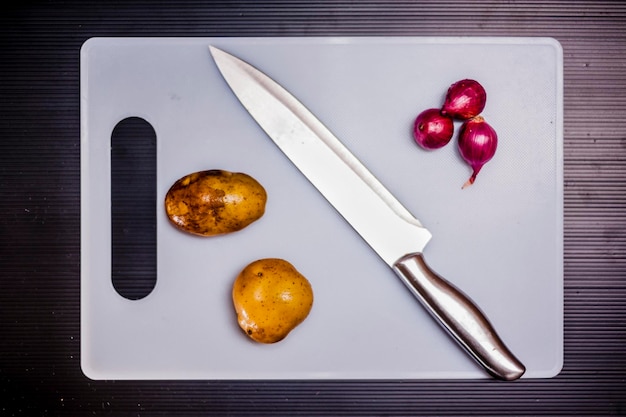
x=271 y=298
x=215 y=202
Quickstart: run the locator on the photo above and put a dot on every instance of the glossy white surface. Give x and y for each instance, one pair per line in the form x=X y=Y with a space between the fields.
x=499 y=240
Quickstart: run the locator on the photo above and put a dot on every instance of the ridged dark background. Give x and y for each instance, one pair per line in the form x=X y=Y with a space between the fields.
x=40 y=207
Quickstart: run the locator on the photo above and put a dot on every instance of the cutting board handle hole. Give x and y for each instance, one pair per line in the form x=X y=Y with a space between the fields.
x=133 y=208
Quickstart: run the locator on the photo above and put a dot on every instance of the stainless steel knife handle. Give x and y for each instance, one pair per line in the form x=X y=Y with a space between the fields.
x=460 y=316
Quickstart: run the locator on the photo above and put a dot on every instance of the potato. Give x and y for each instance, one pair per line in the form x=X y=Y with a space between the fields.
x=215 y=202
x=271 y=298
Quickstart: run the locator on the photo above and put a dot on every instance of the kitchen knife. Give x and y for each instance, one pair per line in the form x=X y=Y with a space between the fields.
x=381 y=220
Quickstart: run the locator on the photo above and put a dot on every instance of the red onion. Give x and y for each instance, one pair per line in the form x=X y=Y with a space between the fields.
x=432 y=129
x=465 y=99
x=477 y=143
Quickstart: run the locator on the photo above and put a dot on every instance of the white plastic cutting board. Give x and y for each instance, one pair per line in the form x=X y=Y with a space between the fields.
x=500 y=240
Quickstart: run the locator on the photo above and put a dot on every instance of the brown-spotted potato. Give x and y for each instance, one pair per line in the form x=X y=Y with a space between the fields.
x=215 y=202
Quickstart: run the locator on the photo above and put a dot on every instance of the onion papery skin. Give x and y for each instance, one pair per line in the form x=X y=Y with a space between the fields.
x=432 y=130
x=465 y=99
x=478 y=142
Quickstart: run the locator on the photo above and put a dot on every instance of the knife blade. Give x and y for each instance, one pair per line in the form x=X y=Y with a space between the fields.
x=378 y=217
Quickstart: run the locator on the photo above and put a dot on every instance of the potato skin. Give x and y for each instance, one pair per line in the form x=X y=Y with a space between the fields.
x=215 y=202
x=271 y=298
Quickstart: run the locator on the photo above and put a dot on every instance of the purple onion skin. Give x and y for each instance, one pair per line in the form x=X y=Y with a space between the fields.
x=432 y=130
x=465 y=99
x=478 y=142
